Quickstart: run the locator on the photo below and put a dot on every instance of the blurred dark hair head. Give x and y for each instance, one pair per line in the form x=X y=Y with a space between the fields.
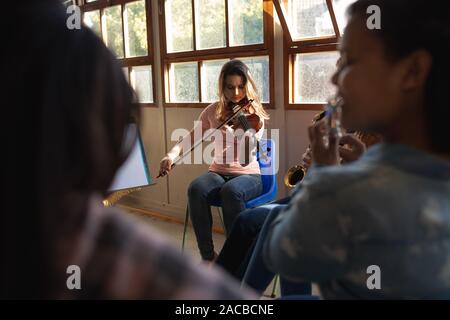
x=70 y=105
x=410 y=25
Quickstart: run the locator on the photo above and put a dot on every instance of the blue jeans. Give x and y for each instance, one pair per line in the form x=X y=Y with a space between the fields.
x=232 y=191
x=238 y=247
x=258 y=276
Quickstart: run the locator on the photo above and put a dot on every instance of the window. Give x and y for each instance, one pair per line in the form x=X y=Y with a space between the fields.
x=340 y=7
x=201 y=35
x=92 y=20
x=310 y=19
x=246 y=22
x=180 y=33
x=135 y=29
x=312 y=29
x=211 y=28
x=259 y=69
x=312 y=74
x=141 y=81
x=210 y=86
x=184 y=82
x=112 y=30
x=125 y=27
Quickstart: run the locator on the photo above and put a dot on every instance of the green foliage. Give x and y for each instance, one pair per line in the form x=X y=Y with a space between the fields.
x=247 y=19
x=114 y=30
x=92 y=20
x=211 y=29
x=137 y=28
x=181 y=21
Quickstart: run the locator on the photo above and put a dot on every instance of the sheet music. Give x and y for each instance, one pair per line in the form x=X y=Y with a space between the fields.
x=134 y=172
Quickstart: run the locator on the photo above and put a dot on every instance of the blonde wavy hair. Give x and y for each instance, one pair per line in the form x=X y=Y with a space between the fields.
x=238 y=68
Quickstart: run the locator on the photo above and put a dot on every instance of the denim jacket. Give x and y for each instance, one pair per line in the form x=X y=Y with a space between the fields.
x=375 y=228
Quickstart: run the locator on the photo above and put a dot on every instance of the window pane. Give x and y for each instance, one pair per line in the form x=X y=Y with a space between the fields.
x=210 y=79
x=184 y=82
x=259 y=70
x=135 y=29
x=310 y=19
x=313 y=73
x=112 y=30
x=210 y=23
x=340 y=9
x=92 y=20
x=179 y=30
x=141 y=81
x=245 y=22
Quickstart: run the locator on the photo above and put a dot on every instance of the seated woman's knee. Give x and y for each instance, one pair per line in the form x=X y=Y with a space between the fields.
x=230 y=192
x=196 y=189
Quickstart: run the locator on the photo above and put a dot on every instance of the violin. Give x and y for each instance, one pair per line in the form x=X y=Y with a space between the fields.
x=246 y=118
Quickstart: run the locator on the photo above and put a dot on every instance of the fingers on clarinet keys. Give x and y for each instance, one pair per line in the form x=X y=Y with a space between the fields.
x=333 y=112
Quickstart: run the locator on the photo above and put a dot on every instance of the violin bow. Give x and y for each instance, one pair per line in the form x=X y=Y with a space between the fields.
x=234 y=115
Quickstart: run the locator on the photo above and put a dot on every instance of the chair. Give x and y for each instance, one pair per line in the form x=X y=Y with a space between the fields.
x=268 y=167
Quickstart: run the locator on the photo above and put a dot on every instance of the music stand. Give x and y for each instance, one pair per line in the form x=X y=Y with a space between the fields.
x=134 y=174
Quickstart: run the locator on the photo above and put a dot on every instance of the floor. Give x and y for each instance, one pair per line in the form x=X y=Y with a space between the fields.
x=174 y=232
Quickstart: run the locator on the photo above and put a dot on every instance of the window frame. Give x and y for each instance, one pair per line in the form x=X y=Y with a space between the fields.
x=244 y=51
x=125 y=62
x=293 y=47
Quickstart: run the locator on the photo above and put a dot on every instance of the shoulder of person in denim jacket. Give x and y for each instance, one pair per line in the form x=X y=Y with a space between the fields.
x=317 y=204
x=327 y=180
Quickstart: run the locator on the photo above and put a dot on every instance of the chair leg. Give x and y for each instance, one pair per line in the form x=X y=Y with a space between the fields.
x=221 y=219
x=275 y=283
x=186 y=221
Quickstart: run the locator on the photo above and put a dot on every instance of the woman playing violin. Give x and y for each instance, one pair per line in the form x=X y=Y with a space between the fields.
x=229 y=180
